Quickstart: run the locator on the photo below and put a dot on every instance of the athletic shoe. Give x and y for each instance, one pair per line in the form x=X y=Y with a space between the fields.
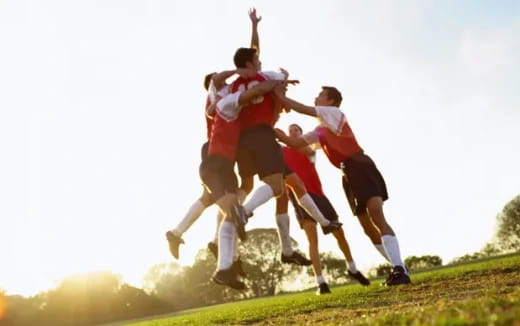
x=239 y=218
x=229 y=278
x=239 y=269
x=296 y=258
x=359 y=277
x=174 y=242
x=323 y=288
x=331 y=227
x=397 y=277
x=213 y=248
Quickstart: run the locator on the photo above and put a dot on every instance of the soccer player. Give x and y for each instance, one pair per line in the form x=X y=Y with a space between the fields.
x=362 y=182
x=302 y=163
x=215 y=84
x=258 y=140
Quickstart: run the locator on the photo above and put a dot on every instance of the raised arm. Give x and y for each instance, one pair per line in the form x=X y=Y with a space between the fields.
x=255 y=40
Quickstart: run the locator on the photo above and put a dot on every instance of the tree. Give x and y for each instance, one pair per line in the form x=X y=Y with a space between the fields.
x=335 y=268
x=261 y=256
x=381 y=270
x=420 y=262
x=507 y=237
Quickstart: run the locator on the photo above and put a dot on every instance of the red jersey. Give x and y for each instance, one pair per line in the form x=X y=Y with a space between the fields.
x=261 y=110
x=338 y=147
x=300 y=164
x=224 y=138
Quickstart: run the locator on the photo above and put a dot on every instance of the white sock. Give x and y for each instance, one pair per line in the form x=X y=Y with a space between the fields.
x=226 y=243
x=282 y=220
x=191 y=216
x=235 y=248
x=382 y=251
x=392 y=250
x=220 y=218
x=320 y=279
x=259 y=197
x=352 y=267
x=308 y=204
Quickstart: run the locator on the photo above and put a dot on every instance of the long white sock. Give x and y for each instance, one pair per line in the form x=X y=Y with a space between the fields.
x=226 y=241
x=382 y=251
x=220 y=218
x=236 y=254
x=191 y=216
x=308 y=204
x=320 y=279
x=352 y=267
x=282 y=220
x=261 y=195
x=392 y=249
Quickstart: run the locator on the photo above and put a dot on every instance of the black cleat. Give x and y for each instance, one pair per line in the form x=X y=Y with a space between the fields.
x=296 y=258
x=397 y=277
x=240 y=219
x=239 y=269
x=229 y=278
x=334 y=225
x=174 y=242
x=359 y=277
x=323 y=288
x=213 y=248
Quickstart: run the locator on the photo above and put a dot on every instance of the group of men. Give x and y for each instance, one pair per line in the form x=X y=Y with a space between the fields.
x=240 y=119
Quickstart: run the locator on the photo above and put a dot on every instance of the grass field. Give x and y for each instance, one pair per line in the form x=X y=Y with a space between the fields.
x=480 y=293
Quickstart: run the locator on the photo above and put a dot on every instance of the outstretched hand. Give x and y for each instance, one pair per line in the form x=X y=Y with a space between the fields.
x=254 y=18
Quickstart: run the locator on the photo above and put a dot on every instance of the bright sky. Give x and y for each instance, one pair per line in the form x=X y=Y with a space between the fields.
x=101 y=121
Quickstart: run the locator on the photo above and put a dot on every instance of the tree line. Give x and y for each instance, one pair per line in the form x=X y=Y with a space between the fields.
x=102 y=297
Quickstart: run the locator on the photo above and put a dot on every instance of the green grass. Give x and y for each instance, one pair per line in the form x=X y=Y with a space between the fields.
x=481 y=293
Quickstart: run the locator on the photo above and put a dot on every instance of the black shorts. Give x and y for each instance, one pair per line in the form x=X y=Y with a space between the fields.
x=265 y=154
x=218 y=176
x=247 y=167
x=362 y=181
x=323 y=204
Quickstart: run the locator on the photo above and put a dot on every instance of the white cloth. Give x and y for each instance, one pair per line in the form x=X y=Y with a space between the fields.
x=273 y=75
x=215 y=94
x=228 y=107
x=331 y=117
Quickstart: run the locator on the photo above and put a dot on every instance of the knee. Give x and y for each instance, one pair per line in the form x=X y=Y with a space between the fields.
x=277 y=187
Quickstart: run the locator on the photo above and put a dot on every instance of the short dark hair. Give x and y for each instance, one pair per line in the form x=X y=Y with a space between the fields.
x=333 y=94
x=207 y=80
x=242 y=56
x=297 y=126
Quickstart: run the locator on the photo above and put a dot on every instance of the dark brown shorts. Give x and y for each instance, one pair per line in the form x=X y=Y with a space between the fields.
x=260 y=152
x=362 y=181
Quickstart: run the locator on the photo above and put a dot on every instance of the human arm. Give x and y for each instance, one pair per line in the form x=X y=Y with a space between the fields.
x=258 y=90
x=307 y=150
x=297 y=106
x=296 y=143
x=219 y=78
x=255 y=40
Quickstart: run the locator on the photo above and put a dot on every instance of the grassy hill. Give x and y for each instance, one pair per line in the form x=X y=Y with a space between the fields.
x=479 y=293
